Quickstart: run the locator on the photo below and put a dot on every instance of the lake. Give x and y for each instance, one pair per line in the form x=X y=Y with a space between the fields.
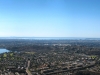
x=3 y=50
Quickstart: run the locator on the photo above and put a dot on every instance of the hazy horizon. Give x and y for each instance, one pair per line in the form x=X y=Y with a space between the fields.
x=44 y=38
x=50 y=18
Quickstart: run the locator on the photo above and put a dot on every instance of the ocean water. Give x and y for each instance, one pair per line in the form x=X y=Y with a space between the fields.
x=3 y=50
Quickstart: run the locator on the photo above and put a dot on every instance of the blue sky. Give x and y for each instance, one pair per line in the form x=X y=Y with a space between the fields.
x=50 y=18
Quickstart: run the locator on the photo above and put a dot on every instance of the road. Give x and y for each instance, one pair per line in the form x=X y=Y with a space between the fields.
x=27 y=68
x=28 y=72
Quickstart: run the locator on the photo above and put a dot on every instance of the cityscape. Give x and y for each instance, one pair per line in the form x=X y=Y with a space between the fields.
x=49 y=37
x=50 y=57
